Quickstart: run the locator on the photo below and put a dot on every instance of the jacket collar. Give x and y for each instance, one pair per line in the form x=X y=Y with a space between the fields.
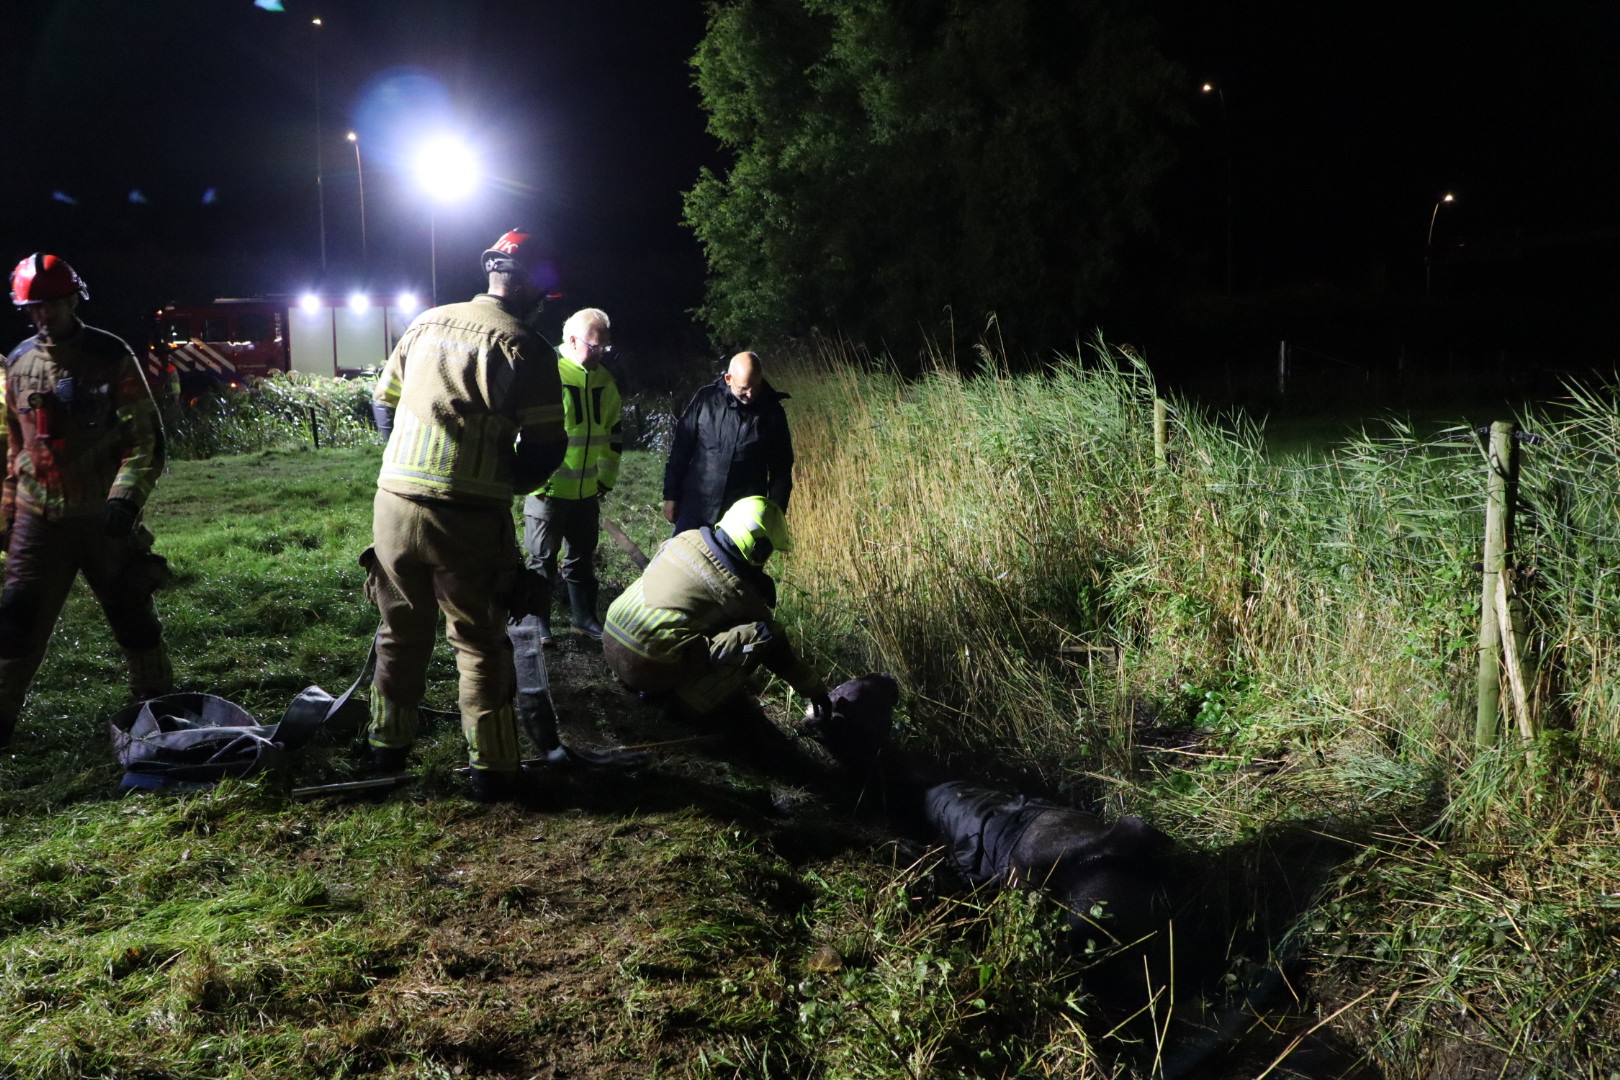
x=732 y=560
x=766 y=395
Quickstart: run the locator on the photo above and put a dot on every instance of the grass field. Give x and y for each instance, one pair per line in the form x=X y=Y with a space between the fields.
x=1270 y=660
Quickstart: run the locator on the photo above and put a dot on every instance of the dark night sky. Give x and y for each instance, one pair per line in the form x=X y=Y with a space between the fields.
x=1347 y=119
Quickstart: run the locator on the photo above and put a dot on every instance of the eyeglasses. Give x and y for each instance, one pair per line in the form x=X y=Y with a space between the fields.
x=593 y=348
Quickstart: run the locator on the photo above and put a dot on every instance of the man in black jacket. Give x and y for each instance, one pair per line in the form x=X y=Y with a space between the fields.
x=732 y=442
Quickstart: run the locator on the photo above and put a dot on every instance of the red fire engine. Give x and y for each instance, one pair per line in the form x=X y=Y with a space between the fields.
x=231 y=343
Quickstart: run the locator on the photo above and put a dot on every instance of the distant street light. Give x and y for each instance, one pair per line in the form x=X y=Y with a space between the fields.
x=320 y=187
x=1428 y=246
x=360 y=173
x=1226 y=136
x=447 y=171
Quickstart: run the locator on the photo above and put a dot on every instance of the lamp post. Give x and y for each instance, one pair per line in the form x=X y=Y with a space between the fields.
x=361 y=176
x=447 y=171
x=1226 y=138
x=1428 y=245
x=320 y=187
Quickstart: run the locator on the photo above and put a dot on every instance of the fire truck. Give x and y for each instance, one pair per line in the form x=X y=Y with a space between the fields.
x=231 y=343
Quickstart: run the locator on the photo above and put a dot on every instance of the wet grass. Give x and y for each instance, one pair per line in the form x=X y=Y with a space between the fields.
x=1251 y=652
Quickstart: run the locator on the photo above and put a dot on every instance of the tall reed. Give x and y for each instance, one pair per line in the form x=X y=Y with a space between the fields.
x=1051 y=595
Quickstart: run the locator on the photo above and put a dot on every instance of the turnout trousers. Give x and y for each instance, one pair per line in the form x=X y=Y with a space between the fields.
x=424 y=559
x=44 y=556
x=702 y=674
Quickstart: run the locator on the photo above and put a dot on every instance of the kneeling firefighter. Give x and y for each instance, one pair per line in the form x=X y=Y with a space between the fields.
x=698 y=621
x=85 y=448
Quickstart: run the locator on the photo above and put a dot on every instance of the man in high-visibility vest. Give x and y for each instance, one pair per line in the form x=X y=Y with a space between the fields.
x=470 y=401
x=698 y=622
x=565 y=515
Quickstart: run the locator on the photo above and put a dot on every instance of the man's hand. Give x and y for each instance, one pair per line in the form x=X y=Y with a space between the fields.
x=670 y=507
x=816 y=718
x=820 y=711
x=120 y=518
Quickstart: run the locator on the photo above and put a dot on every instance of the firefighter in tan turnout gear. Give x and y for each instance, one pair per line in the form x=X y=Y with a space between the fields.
x=84 y=449
x=474 y=408
x=698 y=621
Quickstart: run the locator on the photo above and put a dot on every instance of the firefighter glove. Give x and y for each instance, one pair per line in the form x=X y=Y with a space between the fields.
x=530 y=595
x=383 y=416
x=820 y=711
x=121 y=517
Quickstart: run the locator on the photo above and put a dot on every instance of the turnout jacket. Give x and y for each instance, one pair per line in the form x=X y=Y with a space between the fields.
x=692 y=593
x=464 y=380
x=81 y=427
x=591 y=417
x=724 y=450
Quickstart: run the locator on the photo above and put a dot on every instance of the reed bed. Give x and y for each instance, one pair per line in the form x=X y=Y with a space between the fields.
x=1224 y=642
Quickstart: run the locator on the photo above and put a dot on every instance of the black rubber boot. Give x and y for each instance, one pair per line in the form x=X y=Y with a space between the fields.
x=488 y=785
x=389 y=759
x=582 y=602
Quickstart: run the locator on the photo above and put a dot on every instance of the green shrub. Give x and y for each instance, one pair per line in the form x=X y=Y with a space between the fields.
x=280 y=412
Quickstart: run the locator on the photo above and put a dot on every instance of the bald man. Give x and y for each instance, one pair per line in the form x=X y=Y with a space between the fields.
x=731 y=442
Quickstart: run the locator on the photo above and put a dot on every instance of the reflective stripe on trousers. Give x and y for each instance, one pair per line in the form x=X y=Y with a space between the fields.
x=460 y=561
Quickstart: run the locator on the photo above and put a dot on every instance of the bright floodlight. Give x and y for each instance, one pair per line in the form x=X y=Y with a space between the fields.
x=446 y=169
x=310 y=303
x=358 y=302
x=1449 y=198
x=406 y=301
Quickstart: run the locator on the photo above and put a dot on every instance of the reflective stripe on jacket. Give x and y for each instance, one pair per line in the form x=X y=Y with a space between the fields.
x=686 y=593
x=81 y=426
x=464 y=380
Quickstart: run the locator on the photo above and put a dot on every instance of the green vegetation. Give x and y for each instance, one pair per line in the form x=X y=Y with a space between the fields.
x=285 y=409
x=1228 y=644
x=895 y=164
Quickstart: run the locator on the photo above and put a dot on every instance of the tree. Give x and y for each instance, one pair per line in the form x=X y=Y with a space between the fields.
x=898 y=163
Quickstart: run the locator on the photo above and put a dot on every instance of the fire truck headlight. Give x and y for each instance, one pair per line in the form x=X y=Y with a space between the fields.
x=406 y=301
x=358 y=302
x=310 y=303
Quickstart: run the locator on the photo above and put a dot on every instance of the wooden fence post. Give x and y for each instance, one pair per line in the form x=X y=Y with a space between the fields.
x=1161 y=433
x=1282 y=369
x=1493 y=614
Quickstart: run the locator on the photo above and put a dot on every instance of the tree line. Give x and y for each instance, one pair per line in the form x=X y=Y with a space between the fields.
x=902 y=170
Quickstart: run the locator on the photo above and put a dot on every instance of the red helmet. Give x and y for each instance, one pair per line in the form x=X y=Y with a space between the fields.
x=516 y=249
x=41 y=277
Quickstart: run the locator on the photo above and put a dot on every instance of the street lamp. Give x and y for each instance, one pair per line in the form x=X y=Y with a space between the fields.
x=360 y=173
x=1226 y=136
x=1428 y=245
x=447 y=171
x=320 y=187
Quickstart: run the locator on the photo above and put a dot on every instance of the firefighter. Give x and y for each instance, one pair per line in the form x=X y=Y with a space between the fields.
x=470 y=402
x=85 y=447
x=698 y=621
x=565 y=515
